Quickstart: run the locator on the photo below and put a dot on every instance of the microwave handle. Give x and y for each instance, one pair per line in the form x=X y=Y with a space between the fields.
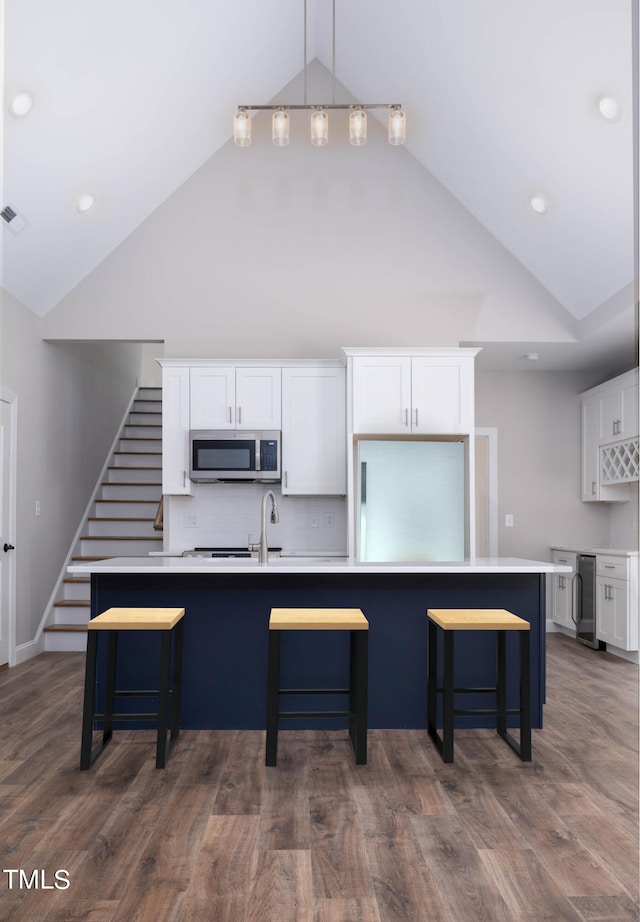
x=258 y=454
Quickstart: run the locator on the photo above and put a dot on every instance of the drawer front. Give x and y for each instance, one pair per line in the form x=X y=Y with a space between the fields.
x=613 y=567
x=567 y=558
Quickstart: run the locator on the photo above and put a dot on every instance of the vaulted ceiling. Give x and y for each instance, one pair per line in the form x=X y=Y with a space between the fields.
x=132 y=96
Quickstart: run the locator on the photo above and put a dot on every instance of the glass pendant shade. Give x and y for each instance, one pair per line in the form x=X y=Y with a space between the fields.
x=397 y=127
x=280 y=128
x=319 y=127
x=358 y=127
x=242 y=128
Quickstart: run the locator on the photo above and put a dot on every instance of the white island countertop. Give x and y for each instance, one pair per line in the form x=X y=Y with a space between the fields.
x=309 y=564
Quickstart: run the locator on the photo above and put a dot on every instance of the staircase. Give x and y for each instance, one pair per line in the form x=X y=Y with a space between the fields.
x=121 y=521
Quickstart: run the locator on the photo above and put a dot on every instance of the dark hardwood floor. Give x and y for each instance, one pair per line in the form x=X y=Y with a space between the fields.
x=217 y=837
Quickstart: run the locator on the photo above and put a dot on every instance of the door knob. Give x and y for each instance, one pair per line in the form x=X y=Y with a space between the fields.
x=8 y=547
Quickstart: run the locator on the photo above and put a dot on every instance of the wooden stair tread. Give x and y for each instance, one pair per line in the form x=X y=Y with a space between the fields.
x=121 y=538
x=76 y=579
x=72 y=603
x=153 y=502
x=119 y=518
x=78 y=628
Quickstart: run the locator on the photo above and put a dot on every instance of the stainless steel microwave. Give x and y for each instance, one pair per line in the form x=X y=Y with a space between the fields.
x=234 y=454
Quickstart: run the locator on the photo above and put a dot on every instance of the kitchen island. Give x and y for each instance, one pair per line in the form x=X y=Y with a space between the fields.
x=228 y=603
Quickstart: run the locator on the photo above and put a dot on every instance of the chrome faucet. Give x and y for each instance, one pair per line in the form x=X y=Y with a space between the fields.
x=263 y=548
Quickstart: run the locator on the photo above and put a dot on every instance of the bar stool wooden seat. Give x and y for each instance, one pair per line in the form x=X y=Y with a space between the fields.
x=169 y=622
x=320 y=619
x=449 y=621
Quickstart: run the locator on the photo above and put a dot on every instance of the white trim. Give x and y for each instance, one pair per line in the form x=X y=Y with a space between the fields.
x=11 y=399
x=76 y=538
x=491 y=434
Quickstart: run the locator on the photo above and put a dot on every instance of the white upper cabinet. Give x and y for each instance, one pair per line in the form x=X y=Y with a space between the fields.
x=313 y=431
x=430 y=393
x=175 y=431
x=226 y=397
x=609 y=439
x=382 y=394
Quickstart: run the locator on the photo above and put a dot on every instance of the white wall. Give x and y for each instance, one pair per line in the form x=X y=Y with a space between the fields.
x=297 y=251
x=71 y=399
x=537 y=415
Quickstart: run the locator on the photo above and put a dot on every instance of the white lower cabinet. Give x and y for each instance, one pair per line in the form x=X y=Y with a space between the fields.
x=313 y=431
x=617 y=601
x=562 y=593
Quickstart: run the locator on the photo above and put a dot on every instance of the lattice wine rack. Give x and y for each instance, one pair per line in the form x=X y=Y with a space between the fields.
x=619 y=462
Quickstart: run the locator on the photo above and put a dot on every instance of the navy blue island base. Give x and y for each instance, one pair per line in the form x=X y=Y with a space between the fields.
x=226 y=639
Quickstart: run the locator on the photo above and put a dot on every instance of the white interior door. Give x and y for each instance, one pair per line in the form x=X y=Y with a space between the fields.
x=7 y=526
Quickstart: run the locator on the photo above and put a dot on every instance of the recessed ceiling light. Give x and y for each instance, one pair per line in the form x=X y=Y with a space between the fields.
x=21 y=104
x=85 y=202
x=609 y=108
x=539 y=204
x=532 y=356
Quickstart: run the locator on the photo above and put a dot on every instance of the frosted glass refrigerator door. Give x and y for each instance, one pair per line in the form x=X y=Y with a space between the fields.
x=411 y=500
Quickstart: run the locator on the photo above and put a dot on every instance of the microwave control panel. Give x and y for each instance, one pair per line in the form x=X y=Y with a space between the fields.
x=269 y=455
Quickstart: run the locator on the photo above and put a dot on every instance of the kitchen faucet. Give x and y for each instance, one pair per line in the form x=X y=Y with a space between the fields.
x=263 y=548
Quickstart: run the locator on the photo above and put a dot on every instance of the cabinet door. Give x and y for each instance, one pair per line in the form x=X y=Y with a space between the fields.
x=612 y=614
x=629 y=424
x=590 y=448
x=382 y=394
x=563 y=586
x=442 y=395
x=313 y=431
x=258 y=398
x=213 y=398
x=611 y=415
x=175 y=431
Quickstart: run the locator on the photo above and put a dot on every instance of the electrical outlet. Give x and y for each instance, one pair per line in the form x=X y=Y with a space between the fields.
x=37 y=508
x=328 y=520
x=313 y=521
x=508 y=520
x=191 y=521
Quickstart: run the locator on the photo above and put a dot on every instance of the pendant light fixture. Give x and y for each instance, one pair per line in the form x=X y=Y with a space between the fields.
x=358 y=127
x=319 y=124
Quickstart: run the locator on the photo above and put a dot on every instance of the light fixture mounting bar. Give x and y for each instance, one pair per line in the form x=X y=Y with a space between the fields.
x=323 y=105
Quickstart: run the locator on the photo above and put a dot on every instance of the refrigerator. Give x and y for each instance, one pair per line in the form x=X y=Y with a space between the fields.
x=410 y=500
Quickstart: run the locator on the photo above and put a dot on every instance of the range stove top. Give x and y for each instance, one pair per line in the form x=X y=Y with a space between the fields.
x=226 y=552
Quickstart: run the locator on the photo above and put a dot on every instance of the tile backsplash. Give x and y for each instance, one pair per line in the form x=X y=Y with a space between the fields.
x=224 y=515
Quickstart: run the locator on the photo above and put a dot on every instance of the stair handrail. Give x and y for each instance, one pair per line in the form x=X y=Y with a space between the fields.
x=157 y=522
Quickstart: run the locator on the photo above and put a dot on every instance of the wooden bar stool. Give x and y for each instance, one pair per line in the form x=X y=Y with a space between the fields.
x=320 y=619
x=469 y=619
x=170 y=624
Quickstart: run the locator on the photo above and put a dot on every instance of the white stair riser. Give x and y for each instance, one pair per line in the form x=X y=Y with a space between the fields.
x=67 y=615
x=146 y=406
x=122 y=491
x=145 y=419
x=67 y=642
x=135 y=475
x=144 y=445
x=76 y=591
x=124 y=509
x=149 y=393
x=122 y=527
x=126 y=459
x=143 y=432
x=111 y=547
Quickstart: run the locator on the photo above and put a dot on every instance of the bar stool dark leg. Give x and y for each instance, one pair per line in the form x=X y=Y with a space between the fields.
x=176 y=695
x=273 y=697
x=447 y=702
x=89 y=700
x=110 y=686
x=525 y=696
x=501 y=683
x=358 y=694
x=432 y=683
x=163 y=699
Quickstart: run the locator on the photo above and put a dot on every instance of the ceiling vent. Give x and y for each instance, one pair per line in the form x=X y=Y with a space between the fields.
x=15 y=221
